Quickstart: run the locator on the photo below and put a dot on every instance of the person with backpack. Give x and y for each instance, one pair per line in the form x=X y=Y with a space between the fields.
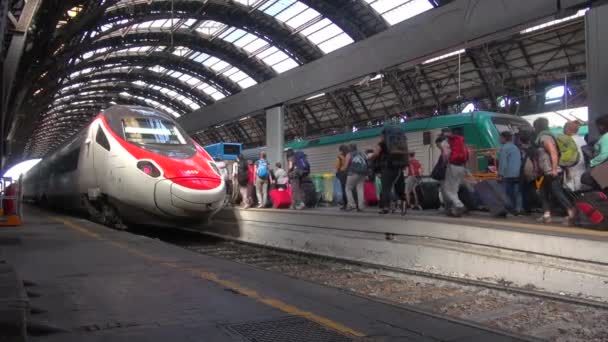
x=262 y=178
x=509 y=168
x=391 y=155
x=456 y=153
x=548 y=161
x=242 y=179
x=357 y=172
x=342 y=172
x=298 y=169
x=527 y=174
x=414 y=172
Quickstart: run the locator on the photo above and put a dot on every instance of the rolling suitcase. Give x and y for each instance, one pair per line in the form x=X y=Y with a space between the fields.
x=369 y=194
x=493 y=196
x=593 y=210
x=281 y=198
x=311 y=198
x=470 y=199
x=428 y=195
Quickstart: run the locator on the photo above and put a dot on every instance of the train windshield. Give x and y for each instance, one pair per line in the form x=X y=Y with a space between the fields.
x=152 y=131
x=513 y=125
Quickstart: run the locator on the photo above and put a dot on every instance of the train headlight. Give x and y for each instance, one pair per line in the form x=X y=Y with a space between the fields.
x=148 y=168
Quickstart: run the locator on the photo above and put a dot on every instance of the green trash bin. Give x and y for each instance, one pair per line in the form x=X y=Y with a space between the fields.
x=317 y=180
x=328 y=188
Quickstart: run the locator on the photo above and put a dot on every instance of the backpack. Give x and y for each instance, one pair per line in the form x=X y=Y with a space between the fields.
x=243 y=175
x=358 y=164
x=459 y=153
x=530 y=169
x=568 y=150
x=262 y=168
x=302 y=164
x=396 y=147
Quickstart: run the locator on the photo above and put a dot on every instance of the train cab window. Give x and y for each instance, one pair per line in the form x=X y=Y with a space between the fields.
x=152 y=131
x=513 y=125
x=101 y=139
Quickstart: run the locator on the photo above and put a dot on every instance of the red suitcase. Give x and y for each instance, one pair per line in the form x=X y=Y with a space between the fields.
x=281 y=198
x=369 y=193
x=593 y=210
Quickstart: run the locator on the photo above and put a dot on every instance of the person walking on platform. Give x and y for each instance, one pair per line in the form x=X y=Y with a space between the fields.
x=262 y=177
x=241 y=176
x=509 y=167
x=298 y=169
x=414 y=172
x=455 y=151
x=600 y=152
x=357 y=171
x=548 y=162
x=391 y=153
x=251 y=182
x=342 y=172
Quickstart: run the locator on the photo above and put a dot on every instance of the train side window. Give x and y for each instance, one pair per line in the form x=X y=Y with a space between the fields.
x=101 y=139
x=426 y=138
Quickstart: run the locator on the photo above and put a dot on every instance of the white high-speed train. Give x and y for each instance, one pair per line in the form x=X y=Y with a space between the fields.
x=133 y=165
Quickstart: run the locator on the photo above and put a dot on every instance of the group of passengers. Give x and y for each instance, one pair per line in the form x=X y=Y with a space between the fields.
x=250 y=181
x=532 y=167
x=538 y=170
x=398 y=176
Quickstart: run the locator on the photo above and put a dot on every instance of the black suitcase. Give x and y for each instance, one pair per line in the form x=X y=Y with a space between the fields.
x=470 y=199
x=494 y=197
x=311 y=198
x=428 y=195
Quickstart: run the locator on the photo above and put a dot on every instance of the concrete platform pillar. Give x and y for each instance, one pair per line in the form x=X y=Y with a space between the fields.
x=275 y=136
x=597 y=64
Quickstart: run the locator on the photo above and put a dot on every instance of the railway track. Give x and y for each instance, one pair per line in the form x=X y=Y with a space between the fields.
x=522 y=312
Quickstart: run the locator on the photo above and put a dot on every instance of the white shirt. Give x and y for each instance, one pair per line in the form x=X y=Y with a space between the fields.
x=235 y=169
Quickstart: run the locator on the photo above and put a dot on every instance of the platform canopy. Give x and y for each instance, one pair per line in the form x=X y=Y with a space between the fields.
x=181 y=56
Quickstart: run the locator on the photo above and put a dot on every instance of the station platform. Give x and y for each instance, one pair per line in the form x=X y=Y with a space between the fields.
x=92 y=283
x=515 y=251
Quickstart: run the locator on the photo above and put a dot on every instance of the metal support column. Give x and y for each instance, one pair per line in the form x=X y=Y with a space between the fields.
x=597 y=64
x=275 y=138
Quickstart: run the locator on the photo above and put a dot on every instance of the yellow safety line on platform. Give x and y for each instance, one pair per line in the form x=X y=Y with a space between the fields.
x=77 y=228
x=212 y=277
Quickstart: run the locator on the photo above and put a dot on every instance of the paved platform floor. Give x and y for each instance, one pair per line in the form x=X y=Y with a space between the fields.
x=99 y=284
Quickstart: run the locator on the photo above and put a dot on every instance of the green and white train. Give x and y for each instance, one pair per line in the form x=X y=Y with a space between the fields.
x=480 y=129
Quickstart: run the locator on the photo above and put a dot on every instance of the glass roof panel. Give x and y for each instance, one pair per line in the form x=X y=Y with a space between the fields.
x=395 y=11
x=275 y=7
x=316 y=27
x=247 y=82
x=325 y=33
x=255 y=45
x=303 y=18
x=245 y=39
x=210 y=27
x=285 y=65
x=336 y=43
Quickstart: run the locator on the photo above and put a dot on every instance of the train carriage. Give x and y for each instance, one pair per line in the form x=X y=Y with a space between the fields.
x=130 y=163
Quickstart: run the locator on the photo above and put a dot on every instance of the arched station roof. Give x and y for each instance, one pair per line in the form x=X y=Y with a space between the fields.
x=179 y=54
